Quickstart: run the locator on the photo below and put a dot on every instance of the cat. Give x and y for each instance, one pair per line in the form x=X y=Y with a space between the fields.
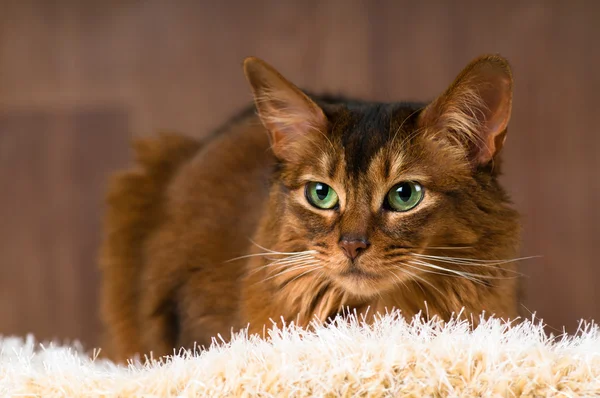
x=305 y=206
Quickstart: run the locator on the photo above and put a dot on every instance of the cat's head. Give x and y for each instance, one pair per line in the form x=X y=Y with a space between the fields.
x=376 y=190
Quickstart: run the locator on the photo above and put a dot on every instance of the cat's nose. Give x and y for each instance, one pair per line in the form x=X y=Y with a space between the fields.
x=353 y=247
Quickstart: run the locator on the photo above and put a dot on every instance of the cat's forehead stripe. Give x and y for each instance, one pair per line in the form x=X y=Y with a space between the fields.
x=366 y=136
x=367 y=131
x=385 y=164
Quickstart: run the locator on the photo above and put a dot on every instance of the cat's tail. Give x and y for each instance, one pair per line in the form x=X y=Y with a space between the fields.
x=135 y=202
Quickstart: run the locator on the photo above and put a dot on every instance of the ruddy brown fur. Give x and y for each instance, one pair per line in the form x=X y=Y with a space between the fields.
x=209 y=237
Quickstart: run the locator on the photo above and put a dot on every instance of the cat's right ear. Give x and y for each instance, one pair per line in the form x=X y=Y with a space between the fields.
x=286 y=112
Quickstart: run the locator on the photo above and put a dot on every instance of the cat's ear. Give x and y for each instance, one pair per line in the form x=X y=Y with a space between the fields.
x=475 y=109
x=284 y=109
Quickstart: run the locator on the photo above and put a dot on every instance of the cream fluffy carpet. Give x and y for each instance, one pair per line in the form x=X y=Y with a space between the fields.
x=392 y=358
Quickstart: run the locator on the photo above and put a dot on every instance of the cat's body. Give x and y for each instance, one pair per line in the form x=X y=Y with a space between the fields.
x=209 y=237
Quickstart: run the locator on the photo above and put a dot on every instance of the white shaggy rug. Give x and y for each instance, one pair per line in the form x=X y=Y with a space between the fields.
x=392 y=358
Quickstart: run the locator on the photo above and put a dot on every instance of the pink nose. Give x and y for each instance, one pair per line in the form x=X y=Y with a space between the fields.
x=353 y=247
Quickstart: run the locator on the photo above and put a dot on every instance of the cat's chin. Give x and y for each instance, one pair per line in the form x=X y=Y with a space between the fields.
x=360 y=283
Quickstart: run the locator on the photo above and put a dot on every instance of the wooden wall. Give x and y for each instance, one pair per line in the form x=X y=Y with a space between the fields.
x=78 y=79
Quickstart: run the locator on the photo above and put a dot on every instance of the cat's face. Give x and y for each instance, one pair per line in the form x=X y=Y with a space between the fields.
x=369 y=189
x=371 y=192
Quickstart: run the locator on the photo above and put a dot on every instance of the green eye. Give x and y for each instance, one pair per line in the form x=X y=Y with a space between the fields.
x=321 y=195
x=404 y=196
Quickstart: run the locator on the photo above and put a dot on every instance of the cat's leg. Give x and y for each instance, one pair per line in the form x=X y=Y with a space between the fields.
x=209 y=307
x=159 y=314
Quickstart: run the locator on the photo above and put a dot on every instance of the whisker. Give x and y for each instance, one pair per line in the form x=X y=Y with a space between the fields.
x=471 y=261
x=433 y=247
x=411 y=135
x=448 y=247
x=273 y=251
x=260 y=247
x=476 y=263
x=396 y=250
x=290 y=255
x=293 y=264
x=426 y=264
x=430 y=271
x=290 y=260
x=287 y=270
x=304 y=273
x=398 y=279
x=467 y=275
x=417 y=276
x=413 y=275
x=310 y=267
x=277 y=266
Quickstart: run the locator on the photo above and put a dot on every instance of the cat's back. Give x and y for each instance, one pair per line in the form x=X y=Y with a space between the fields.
x=219 y=194
x=187 y=207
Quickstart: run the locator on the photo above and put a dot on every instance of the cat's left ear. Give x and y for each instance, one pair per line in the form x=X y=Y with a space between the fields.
x=284 y=109
x=475 y=109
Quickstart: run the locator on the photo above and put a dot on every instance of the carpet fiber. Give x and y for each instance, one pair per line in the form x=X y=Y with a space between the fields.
x=391 y=358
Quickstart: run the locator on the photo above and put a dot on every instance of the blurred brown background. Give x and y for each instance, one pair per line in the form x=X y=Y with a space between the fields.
x=78 y=79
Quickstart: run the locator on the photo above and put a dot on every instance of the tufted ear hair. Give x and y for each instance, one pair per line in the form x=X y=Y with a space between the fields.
x=475 y=110
x=286 y=112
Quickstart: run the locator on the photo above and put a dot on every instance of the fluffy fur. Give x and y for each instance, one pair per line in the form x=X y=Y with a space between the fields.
x=390 y=359
x=210 y=236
